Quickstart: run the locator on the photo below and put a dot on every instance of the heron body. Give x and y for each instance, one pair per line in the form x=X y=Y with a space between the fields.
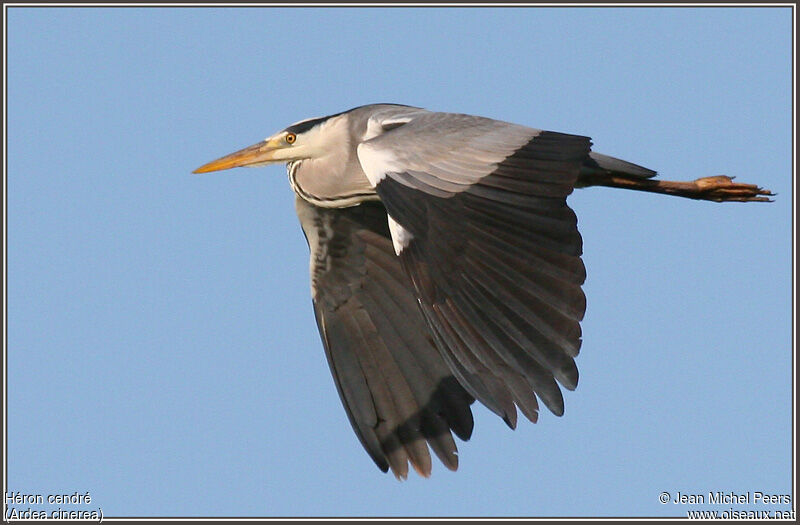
x=445 y=264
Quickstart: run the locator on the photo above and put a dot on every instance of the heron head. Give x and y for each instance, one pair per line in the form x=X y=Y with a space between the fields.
x=304 y=140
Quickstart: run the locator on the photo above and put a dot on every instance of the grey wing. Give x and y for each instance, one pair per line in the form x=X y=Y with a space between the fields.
x=479 y=218
x=396 y=389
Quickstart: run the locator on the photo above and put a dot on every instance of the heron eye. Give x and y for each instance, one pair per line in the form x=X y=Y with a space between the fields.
x=290 y=138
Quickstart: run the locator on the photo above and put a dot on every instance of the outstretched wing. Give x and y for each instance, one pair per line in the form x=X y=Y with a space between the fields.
x=479 y=219
x=396 y=389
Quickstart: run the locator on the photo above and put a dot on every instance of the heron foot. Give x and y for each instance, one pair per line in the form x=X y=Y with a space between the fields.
x=721 y=188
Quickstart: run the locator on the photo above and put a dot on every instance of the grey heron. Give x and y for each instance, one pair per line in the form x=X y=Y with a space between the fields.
x=446 y=264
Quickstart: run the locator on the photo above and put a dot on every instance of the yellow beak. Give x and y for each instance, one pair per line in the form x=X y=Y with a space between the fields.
x=255 y=155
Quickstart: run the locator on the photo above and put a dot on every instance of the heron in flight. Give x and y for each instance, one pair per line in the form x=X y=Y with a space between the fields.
x=446 y=265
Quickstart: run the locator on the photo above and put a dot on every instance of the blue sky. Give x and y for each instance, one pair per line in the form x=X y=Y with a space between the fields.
x=162 y=350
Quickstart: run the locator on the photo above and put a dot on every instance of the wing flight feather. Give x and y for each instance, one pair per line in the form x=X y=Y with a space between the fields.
x=398 y=393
